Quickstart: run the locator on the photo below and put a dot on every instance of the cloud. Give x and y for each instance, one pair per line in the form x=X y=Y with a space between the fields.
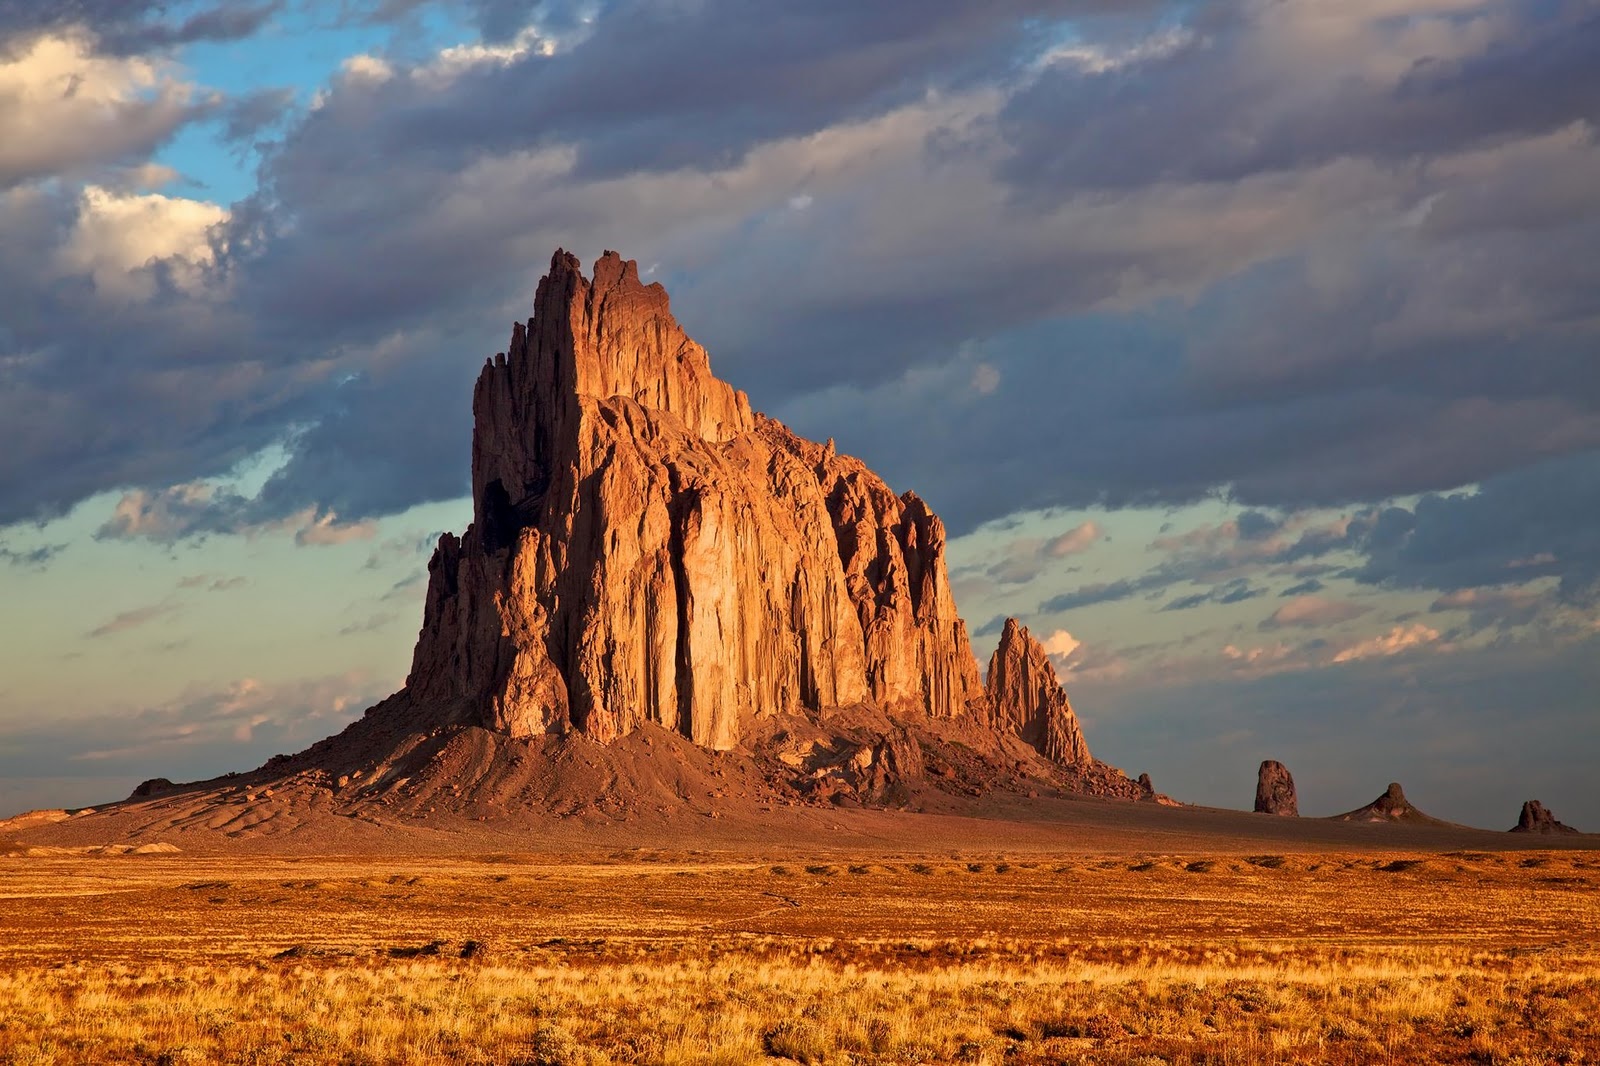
x=1236 y=591
x=230 y=721
x=205 y=731
x=125 y=27
x=371 y=624
x=1079 y=538
x=31 y=558
x=199 y=509
x=1060 y=644
x=133 y=619
x=327 y=529
x=1080 y=663
x=1498 y=607
x=1099 y=592
x=250 y=114
x=65 y=106
x=1400 y=639
x=1312 y=612
x=1514 y=528
x=985 y=379
x=1375 y=81
x=130 y=245
x=212 y=584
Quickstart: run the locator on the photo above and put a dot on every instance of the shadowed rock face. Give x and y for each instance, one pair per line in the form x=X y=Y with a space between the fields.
x=645 y=548
x=1536 y=818
x=1275 y=790
x=1027 y=698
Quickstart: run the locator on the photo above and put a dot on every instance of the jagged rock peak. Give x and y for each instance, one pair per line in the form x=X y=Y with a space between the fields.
x=1275 y=790
x=645 y=548
x=1536 y=818
x=1026 y=697
x=612 y=337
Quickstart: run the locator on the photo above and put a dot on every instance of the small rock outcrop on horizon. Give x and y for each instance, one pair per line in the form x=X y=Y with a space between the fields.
x=1028 y=699
x=1275 y=790
x=1390 y=808
x=1536 y=818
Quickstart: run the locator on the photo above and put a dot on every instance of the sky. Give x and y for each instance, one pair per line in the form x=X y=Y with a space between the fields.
x=1249 y=349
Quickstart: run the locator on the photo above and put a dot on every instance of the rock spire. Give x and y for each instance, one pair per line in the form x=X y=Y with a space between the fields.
x=1536 y=818
x=1028 y=700
x=1275 y=790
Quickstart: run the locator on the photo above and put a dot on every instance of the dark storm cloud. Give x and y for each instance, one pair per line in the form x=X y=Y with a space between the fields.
x=1327 y=335
x=406 y=429
x=128 y=27
x=1200 y=113
x=659 y=87
x=1253 y=525
x=1533 y=523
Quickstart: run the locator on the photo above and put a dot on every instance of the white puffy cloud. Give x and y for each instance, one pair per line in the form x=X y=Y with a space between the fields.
x=65 y=106
x=118 y=238
x=1061 y=644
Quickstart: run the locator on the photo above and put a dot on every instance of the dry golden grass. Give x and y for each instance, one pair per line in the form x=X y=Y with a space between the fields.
x=658 y=958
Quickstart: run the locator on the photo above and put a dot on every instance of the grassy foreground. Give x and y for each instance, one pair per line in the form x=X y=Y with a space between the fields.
x=1466 y=958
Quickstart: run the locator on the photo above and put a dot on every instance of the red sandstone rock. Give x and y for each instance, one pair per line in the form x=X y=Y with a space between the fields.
x=1275 y=790
x=1536 y=818
x=645 y=548
x=1026 y=698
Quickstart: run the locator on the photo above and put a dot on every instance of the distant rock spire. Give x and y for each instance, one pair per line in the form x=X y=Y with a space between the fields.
x=1275 y=790
x=1536 y=818
x=1027 y=698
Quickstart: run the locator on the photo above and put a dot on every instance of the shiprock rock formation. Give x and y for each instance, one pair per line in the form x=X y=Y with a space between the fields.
x=645 y=548
x=668 y=601
x=1391 y=808
x=1536 y=818
x=1275 y=790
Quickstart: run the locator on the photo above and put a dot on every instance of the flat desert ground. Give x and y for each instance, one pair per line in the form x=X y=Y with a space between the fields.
x=1097 y=933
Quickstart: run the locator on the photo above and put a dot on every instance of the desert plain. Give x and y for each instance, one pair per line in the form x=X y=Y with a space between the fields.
x=1097 y=932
